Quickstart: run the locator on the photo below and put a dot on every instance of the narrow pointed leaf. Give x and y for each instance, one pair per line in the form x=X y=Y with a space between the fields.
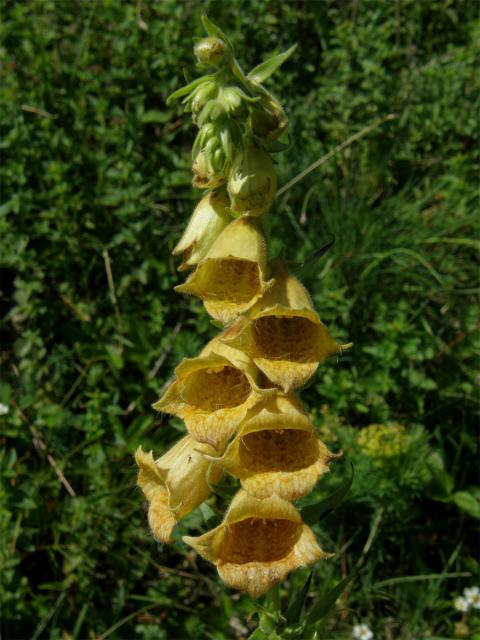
x=324 y=605
x=264 y=70
x=215 y=32
x=313 y=513
x=295 y=608
x=186 y=89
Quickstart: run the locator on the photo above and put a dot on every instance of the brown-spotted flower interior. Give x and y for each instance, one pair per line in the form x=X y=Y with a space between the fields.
x=215 y=388
x=280 y=337
x=278 y=450
x=231 y=279
x=258 y=540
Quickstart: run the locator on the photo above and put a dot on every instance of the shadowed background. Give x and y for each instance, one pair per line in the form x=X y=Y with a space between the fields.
x=95 y=192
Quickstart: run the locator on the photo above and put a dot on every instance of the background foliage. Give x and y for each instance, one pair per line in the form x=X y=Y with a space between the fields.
x=95 y=191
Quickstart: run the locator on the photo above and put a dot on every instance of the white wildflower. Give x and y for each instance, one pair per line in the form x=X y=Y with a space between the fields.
x=461 y=604
x=362 y=632
x=3 y=409
x=472 y=596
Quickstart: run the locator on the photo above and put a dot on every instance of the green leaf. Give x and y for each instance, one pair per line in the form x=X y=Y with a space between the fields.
x=467 y=502
x=155 y=116
x=214 y=31
x=264 y=70
x=186 y=89
x=325 y=604
x=313 y=513
x=294 y=611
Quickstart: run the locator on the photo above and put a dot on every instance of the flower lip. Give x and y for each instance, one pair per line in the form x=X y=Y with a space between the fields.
x=258 y=543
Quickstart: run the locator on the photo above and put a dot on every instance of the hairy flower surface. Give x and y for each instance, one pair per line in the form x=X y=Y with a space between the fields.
x=276 y=450
x=252 y=183
x=283 y=334
x=175 y=484
x=231 y=278
x=258 y=543
x=208 y=220
x=213 y=392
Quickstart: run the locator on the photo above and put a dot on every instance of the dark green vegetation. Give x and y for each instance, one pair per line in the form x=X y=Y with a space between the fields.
x=95 y=190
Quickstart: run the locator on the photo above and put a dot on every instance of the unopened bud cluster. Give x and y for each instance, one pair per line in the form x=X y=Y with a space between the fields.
x=236 y=397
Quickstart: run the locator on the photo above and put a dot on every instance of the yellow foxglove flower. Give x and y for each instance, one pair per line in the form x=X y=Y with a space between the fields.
x=213 y=392
x=252 y=183
x=175 y=484
x=283 y=334
x=258 y=543
x=276 y=450
x=231 y=278
x=208 y=220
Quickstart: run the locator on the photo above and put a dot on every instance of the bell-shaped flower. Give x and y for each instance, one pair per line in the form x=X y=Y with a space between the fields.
x=283 y=334
x=208 y=220
x=175 y=484
x=258 y=543
x=213 y=392
x=231 y=278
x=252 y=183
x=276 y=450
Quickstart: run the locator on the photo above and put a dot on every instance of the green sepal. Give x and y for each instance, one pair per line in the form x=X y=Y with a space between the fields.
x=294 y=611
x=313 y=513
x=324 y=605
x=187 y=89
x=215 y=32
x=264 y=70
x=276 y=146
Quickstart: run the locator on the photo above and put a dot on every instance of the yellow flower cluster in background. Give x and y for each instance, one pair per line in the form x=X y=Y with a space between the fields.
x=384 y=440
x=236 y=397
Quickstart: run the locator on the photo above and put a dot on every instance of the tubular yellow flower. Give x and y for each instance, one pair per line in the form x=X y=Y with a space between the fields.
x=252 y=183
x=258 y=543
x=231 y=278
x=213 y=392
x=284 y=335
x=208 y=220
x=175 y=484
x=276 y=450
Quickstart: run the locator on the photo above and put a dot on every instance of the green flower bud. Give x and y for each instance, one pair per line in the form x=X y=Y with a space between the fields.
x=213 y=154
x=201 y=96
x=211 y=51
x=268 y=121
x=252 y=183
